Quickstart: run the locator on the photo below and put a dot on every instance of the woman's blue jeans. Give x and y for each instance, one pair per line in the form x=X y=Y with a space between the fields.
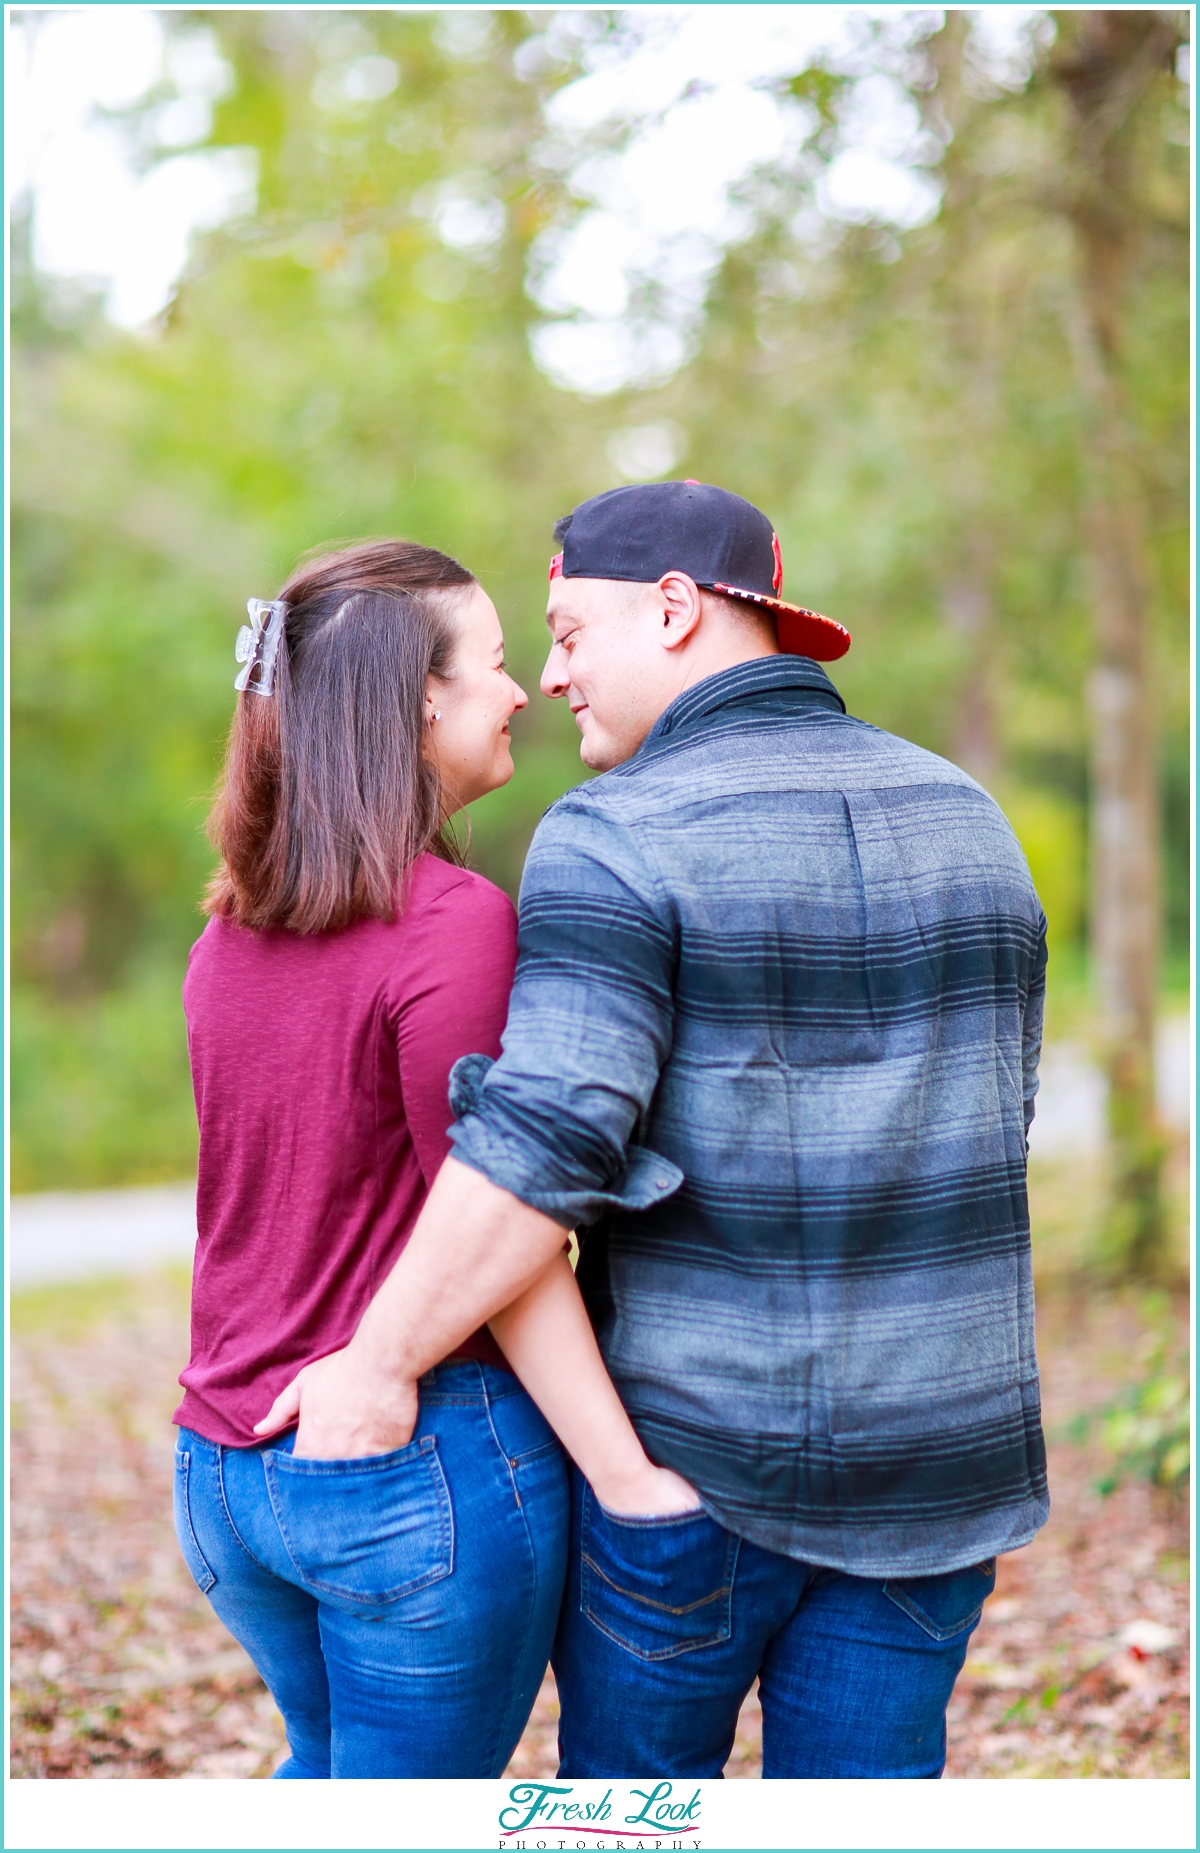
x=400 y=1607
x=668 y=1621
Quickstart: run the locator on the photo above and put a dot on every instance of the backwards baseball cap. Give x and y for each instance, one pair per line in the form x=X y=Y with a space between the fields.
x=718 y=539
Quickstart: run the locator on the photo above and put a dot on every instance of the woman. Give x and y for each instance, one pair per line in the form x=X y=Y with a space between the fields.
x=400 y=1607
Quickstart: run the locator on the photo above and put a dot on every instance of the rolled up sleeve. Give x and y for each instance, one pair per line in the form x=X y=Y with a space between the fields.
x=555 y=1119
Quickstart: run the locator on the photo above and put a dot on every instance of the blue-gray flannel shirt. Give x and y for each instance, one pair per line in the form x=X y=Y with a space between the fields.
x=773 y=1049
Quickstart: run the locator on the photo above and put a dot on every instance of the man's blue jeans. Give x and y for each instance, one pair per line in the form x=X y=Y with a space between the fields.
x=400 y=1608
x=667 y=1622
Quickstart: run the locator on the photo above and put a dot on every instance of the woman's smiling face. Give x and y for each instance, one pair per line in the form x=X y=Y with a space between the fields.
x=470 y=743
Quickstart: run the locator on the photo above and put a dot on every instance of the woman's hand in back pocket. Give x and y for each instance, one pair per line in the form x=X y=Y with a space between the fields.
x=547 y=1337
x=650 y=1492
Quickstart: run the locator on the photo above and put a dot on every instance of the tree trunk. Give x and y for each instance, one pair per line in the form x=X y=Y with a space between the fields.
x=1125 y=855
x=968 y=352
x=1107 y=64
x=969 y=612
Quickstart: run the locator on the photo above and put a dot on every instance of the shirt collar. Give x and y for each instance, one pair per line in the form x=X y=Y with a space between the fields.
x=762 y=674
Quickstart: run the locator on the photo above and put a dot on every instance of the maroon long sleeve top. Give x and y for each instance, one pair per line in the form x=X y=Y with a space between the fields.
x=321 y=1065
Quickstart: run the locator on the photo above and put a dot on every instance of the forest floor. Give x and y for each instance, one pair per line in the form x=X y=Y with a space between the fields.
x=119 y=1669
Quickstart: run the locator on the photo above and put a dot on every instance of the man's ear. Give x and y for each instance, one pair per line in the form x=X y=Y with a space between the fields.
x=681 y=609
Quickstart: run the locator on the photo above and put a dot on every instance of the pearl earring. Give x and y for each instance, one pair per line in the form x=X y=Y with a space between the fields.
x=435 y=714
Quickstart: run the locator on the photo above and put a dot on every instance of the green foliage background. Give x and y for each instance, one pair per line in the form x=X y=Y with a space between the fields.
x=906 y=407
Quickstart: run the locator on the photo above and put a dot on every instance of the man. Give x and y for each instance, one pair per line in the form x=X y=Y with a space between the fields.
x=802 y=963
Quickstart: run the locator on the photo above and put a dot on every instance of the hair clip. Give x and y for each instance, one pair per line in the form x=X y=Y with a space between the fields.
x=258 y=645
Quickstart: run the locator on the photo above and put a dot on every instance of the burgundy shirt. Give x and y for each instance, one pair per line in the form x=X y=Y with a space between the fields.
x=321 y=1065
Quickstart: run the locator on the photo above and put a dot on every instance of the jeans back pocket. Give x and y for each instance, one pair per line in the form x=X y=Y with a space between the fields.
x=657 y=1586
x=364 y=1532
x=944 y=1605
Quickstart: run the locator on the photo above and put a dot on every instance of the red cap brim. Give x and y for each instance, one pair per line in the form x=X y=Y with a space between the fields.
x=801 y=632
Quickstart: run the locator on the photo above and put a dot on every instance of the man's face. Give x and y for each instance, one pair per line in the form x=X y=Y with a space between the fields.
x=606 y=657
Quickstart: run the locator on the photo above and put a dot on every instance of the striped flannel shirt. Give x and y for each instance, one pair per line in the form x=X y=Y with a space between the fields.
x=773 y=1048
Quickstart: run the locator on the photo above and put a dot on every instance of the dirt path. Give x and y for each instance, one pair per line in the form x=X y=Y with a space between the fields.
x=120 y=1670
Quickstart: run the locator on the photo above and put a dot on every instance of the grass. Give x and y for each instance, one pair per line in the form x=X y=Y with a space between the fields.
x=1066 y=1208
x=101 y=1091
x=69 y=1310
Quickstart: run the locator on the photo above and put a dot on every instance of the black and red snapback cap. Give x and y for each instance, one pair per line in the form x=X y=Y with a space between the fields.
x=718 y=539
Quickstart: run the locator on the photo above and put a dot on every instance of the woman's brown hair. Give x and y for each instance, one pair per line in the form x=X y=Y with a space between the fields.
x=327 y=795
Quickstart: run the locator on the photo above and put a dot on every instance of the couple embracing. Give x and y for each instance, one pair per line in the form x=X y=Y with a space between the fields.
x=765 y=1036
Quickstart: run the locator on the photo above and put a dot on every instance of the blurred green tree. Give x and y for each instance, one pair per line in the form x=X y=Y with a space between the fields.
x=354 y=357
x=351 y=359
x=1124 y=203
x=974 y=434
